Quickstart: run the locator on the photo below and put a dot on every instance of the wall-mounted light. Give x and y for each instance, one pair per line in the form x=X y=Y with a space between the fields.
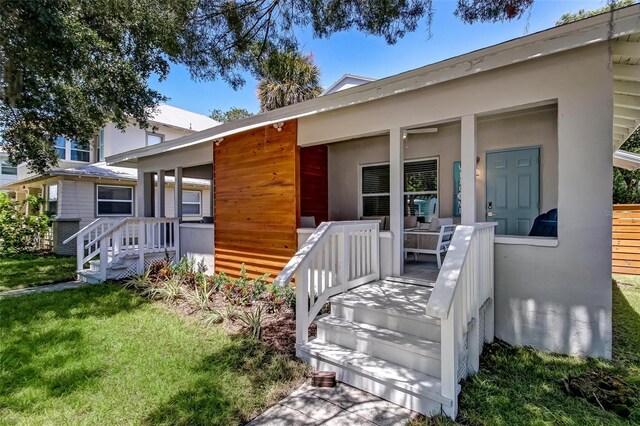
x=278 y=126
x=217 y=141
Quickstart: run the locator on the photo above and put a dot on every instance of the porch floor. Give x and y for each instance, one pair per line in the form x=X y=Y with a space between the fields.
x=424 y=268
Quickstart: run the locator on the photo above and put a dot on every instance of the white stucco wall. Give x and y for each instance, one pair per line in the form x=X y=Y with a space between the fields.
x=553 y=298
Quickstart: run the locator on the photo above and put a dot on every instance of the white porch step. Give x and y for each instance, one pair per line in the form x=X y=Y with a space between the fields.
x=409 y=351
x=409 y=280
x=89 y=276
x=404 y=386
x=390 y=305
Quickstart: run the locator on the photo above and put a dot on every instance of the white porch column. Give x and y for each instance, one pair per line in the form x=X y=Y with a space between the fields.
x=396 y=197
x=160 y=199
x=468 y=169
x=178 y=192
x=211 y=209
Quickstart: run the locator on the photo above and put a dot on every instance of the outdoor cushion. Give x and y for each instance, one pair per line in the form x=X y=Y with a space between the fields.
x=545 y=225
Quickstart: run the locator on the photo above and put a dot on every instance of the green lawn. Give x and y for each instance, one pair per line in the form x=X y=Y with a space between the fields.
x=103 y=355
x=21 y=271
x=518 y=386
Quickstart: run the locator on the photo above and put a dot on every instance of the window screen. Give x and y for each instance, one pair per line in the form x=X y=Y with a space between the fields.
x=114 y=200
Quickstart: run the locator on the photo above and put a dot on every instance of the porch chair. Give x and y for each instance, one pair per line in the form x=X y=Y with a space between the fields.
x=433 y=240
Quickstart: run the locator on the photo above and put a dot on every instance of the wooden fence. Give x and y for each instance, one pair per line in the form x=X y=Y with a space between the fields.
x=626 y=239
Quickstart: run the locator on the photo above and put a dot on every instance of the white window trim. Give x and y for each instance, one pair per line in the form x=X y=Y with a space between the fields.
x=67 y=152
x=199 y=203
x=57 y=200
x=413 y=160
x=2 y=166
x=98 y=200
x=146 y=138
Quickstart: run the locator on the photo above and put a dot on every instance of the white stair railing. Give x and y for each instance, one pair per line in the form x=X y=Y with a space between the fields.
x=462 y=299
x=337 y=257
x=132 y=235
x=84 y=250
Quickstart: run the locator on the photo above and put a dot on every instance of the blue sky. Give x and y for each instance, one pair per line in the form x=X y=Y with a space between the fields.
x=355 y=53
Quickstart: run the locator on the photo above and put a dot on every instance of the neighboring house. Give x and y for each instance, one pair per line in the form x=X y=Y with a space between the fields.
x=493 y=139
x=347 y=81
x=83 y=188
x=8 y=172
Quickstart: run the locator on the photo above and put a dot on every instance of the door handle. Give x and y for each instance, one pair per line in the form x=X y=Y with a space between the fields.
x=491 y=214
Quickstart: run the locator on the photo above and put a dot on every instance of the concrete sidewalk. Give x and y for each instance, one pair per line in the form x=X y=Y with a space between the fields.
x=49 y=288
x=342 y=405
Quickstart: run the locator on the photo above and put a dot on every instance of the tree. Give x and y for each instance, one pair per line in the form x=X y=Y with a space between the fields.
x=68 y=67
x=286 y=79
x=231 y=114
x=626 y=183
x=582 y=13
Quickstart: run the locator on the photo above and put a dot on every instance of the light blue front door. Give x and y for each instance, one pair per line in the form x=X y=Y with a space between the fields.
x=513 y=190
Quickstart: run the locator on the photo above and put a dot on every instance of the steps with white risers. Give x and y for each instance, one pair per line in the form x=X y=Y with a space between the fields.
x=378 y=338
x=400 y=348
x=390 y=305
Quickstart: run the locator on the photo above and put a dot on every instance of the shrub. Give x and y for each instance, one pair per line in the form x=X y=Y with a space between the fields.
x=200 y=295
x=243 y=290
x=21 y=230
x=169 y=290
x=139 y=282
x=252 y=320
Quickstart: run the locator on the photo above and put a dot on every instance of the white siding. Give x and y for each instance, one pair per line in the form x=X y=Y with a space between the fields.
x=117 y=141
x=76 y=199
x=169 y=204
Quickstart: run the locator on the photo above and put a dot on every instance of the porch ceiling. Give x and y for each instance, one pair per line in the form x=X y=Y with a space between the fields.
x=626 y=87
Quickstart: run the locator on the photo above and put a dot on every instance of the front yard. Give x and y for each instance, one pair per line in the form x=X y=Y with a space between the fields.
x=104 y=355
x=27 y=270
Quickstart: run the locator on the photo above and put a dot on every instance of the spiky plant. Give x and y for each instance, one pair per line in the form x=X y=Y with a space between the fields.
x=200 y=295
x=287 y=77
x=139 y=282
x=213 y=317
x=252 y=320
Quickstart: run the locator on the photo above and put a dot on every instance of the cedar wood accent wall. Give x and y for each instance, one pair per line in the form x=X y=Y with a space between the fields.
x=256 y=196
x=314 y=183
x=626 y=239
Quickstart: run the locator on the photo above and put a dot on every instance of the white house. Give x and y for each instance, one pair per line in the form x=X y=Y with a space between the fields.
x=83 y=188
x=8 y=172
x=512 y=143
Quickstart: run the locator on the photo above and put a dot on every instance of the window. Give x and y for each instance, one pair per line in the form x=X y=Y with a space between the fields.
x=61 y=147
x=375 y=190
x=154 y=139
x=100 y=144
x=7 y=168
x=52 y=199
x=114 y=200
x=420 y=189
x=78 y=153
x=191 y=203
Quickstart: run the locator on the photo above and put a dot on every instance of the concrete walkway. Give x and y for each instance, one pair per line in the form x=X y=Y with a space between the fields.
x=44 y=289
x=342 y=405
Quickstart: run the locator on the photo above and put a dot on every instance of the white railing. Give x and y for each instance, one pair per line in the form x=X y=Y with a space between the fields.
x=133 y=235
x=462 y=299
x=337 y=257
x=84 y=250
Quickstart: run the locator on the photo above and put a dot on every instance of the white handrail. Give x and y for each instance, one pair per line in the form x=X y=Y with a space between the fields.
x=337 y=257
x=84 y=230
x=135 y=235
x=462 y=299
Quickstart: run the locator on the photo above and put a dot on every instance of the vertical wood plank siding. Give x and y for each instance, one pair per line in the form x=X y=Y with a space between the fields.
x=256 y=198
x=626 y=239
x=314 y=183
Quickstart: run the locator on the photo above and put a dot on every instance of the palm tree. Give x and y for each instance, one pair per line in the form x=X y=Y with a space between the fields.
x=287 y=78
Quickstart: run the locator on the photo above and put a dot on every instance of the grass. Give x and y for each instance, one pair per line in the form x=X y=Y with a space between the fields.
x=103 y=355
x=26 y=270
x=522 y=386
